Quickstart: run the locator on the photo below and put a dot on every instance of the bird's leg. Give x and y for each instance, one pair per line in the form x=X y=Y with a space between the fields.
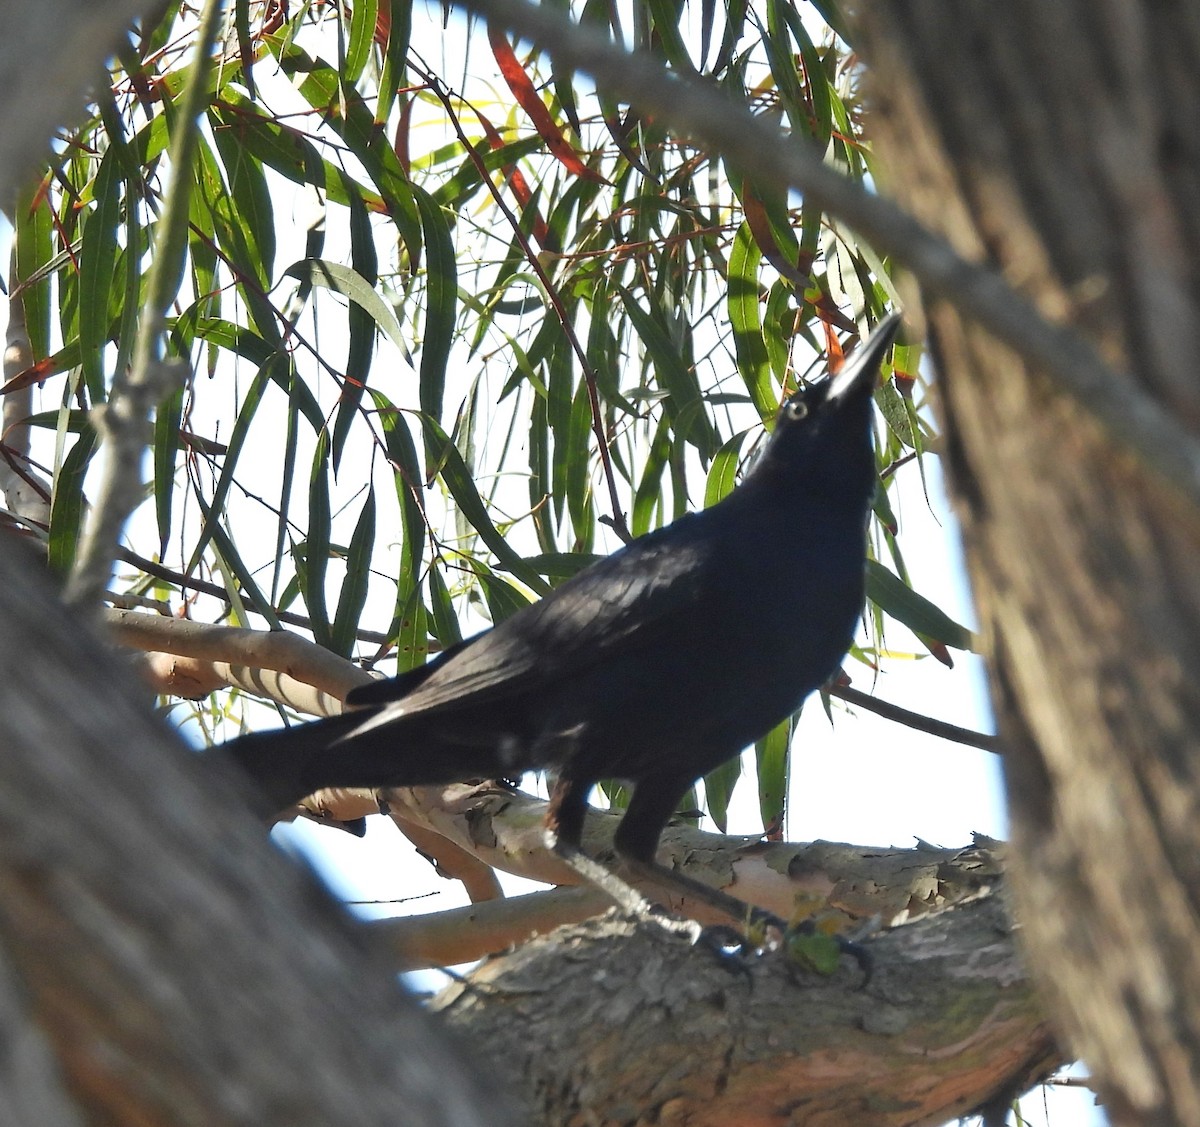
x=636 y=843
x=564 y=830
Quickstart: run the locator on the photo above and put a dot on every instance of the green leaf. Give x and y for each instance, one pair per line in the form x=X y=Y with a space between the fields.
x=445 y=621
x=684 y=401
x=33 y=253
x=773 y=769
x=167 y=421
x=579 y=479
x=317 y=545
x=362 y=328
x=251 y=208
x=349 y=116
x=503 y=599
x=237 y=442
x=454 y=473
x=916 y=612
x=353 y=596
x=233 y=567
x=410 y=624
x=722 y=471
x=562 y=565
x=718 y=789
x=395 y=54
x=68 y=506
x=290 y=445
x=814 y=951
x=648 y=495
x=97 y=268
x=362 y=32
x=441 y=295
x=753 y=362
x=350 y=284
x=284 y=150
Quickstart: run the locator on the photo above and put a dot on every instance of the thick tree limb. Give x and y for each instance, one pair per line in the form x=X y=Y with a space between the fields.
x=182 y=971
x=947 y=1021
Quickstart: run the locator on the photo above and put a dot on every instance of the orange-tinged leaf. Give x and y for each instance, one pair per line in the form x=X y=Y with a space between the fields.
x=529 y=100
x=830 y=314
x=35 y=373
x=383 y=25
x=760 y=228
x=520 y=186
x=833 y=347
x=939 y=651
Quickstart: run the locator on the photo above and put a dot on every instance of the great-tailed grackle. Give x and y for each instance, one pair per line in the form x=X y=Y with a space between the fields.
x=653 y=665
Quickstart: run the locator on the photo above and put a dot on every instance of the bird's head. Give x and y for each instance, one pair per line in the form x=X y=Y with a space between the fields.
x=822 y=436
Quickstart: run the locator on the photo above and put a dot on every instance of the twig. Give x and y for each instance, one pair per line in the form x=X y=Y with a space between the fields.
x=1131 y=417
x=124 y=421
x=191 y=583
x=940 y=728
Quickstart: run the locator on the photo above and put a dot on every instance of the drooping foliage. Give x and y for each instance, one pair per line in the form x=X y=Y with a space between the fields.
x=456 y=321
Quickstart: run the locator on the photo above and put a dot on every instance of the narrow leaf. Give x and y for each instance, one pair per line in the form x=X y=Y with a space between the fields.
x=915 y=611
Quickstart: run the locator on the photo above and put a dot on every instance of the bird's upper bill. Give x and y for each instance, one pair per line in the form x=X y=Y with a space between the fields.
x=864 y=364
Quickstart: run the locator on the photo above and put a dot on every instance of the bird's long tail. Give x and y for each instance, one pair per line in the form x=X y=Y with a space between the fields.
x=279 y=763
x=286 y=764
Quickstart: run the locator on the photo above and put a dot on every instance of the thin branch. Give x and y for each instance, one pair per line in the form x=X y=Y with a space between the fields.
x=274 y=650
x=124 y=421
x=1131 y=417
x=461 y=935
x=940 y=728
x=191 y=583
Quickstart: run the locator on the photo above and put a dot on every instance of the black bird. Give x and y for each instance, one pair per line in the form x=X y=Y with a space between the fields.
x=654 y=665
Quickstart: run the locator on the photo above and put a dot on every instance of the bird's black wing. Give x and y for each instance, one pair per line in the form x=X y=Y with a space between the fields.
x=620 y=603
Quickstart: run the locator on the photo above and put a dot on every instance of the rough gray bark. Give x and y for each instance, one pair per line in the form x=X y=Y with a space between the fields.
x=1059 y=142
x=603 y=1023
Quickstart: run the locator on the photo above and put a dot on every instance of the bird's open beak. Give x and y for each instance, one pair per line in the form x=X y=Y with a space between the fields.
x=864 y=364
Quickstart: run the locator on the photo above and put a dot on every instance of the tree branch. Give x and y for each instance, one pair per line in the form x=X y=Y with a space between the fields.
x=940 y=728
x=124 y=421
x=948 y=1019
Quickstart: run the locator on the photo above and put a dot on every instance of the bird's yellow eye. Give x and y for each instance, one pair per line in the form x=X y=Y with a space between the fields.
x=797 y=409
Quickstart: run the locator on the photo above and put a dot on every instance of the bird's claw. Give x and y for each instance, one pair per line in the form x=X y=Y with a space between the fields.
x=804 y=947
x=809 y=948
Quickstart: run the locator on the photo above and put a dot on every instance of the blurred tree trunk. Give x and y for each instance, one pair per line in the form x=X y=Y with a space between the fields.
x=159 y=963
x=1060 y=142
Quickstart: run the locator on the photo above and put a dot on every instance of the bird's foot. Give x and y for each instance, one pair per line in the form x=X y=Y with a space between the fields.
x=690 y=930
x=805 y=947
x=809 y=948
